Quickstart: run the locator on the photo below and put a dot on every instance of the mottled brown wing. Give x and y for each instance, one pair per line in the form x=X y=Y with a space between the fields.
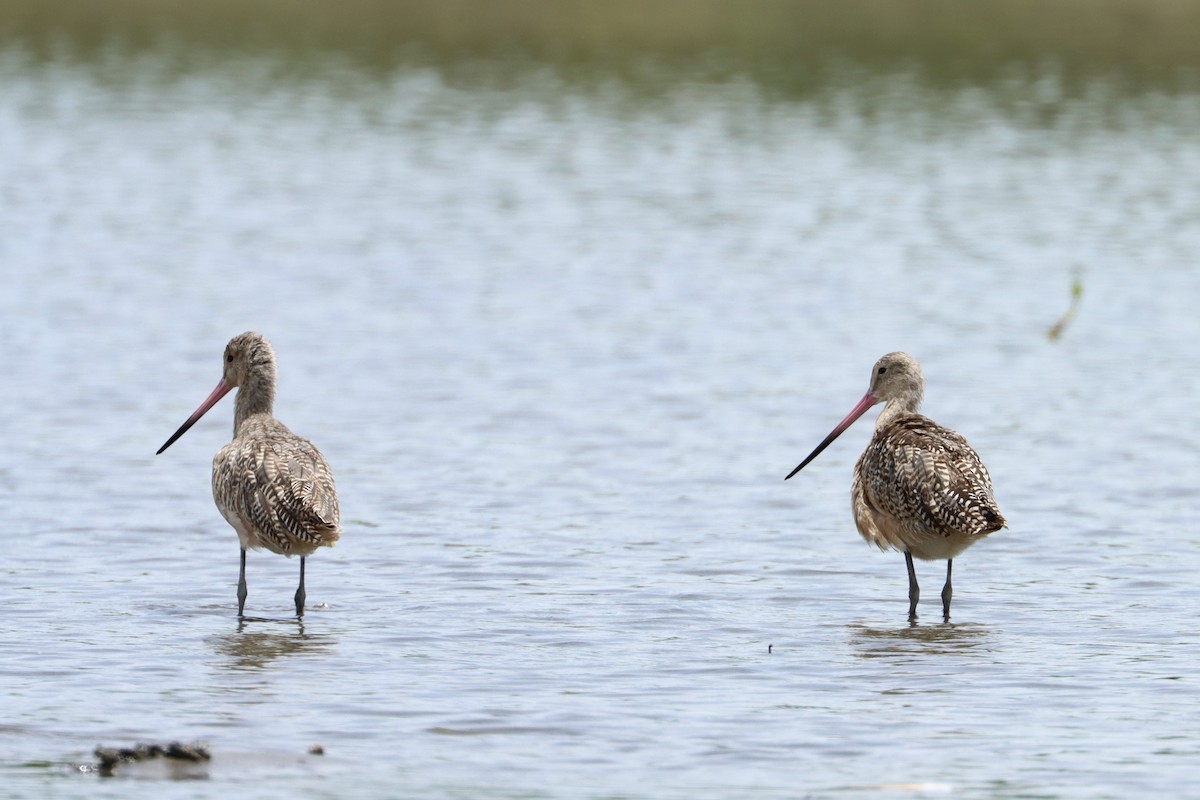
x=917 y=470
x=283 y=488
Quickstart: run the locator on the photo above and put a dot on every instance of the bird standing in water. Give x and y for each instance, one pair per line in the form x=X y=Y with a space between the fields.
x=272 y=486
x=918 y=487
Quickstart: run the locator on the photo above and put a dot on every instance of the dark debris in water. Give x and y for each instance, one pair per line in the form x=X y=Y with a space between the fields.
x=110 y=757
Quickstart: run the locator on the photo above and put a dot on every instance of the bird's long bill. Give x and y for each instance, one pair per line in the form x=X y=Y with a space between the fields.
x=217 y=393
x=867 y=401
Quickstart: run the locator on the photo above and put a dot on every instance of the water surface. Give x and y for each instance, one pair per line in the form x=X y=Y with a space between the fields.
x=561 y=342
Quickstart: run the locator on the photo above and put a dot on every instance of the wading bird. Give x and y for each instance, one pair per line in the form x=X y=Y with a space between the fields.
x=918 y=487
x=273 y=487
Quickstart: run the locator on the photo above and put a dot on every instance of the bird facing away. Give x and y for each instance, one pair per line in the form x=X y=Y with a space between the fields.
x=273 y=487
x=918 y=487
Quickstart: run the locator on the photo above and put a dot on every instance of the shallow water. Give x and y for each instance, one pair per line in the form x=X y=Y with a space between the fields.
x=561 y=343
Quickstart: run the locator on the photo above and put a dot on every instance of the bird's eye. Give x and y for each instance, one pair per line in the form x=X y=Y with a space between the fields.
x=882 y=370
x=229 y=358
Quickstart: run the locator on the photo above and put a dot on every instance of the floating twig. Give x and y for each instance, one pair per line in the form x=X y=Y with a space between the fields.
x=1057 y=328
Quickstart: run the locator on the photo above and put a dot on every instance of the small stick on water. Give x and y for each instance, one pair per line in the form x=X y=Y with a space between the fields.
x=769 y=648
x=1076 y=295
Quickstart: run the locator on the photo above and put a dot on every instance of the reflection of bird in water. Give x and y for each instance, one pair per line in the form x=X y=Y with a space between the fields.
x=917 y=640
x=251 y=651
x=273 y=487
x=918 y=487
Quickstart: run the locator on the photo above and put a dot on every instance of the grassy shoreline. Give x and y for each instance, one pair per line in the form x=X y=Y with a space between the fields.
x=951 y=39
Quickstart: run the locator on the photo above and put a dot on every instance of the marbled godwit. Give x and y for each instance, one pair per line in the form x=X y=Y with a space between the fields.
x=273 y=487
x=918 y=487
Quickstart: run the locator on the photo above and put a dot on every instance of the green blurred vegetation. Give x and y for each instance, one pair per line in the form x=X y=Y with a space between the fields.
x=778 y=41
x=1056 y=330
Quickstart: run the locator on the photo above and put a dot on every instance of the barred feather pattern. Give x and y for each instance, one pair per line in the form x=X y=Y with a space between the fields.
x=275 y=489
x=920 y=487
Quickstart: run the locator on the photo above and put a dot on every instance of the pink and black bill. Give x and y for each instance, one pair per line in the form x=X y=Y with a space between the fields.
x=867 y=401
x=217 y=393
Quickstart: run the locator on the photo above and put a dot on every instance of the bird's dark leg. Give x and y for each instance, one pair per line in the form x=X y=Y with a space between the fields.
x=242 y=585
x=947 y=591
x=914 y=591
x=300 y=591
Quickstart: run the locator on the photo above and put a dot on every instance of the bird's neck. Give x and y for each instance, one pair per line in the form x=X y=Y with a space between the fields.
x=897 y=407
x=255 y=396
